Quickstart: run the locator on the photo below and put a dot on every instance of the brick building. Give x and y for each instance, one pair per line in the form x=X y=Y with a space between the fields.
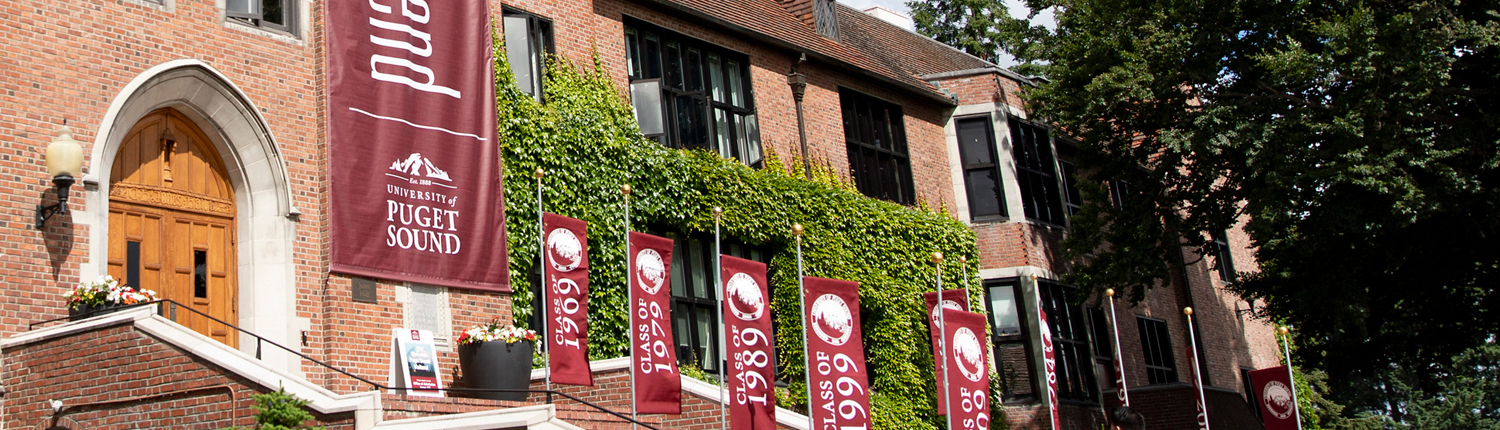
x=236 y=226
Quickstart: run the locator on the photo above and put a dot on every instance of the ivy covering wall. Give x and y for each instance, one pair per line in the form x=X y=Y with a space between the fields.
x=586 y=138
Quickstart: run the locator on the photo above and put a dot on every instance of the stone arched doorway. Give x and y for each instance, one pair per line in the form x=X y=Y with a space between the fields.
x=172 y=221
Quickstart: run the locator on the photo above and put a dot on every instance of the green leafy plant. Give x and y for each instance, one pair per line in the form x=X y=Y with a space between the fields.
x=585 y=137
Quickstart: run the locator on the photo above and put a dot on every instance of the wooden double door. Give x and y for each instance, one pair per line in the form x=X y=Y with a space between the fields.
x=172 y=222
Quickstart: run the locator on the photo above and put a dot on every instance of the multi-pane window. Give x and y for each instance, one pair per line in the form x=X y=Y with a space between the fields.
x=695 y=310
x=1104 y=346
x=700 y=93
x=1225 y=258
x=1012 y=356
x=1072 y=199
x=277 y=15
x=1156 y=344
x=1036 y=172
x=876 y=138
x=528 y=39
x=976 y=146
x=1070 y=341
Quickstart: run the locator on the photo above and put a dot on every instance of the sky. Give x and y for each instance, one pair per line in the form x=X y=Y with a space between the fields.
x=1017 y=9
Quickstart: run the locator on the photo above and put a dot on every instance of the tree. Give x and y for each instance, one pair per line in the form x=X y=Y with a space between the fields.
x=1357 y=140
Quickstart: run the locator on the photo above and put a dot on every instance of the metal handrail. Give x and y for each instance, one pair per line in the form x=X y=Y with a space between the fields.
x=261 y=340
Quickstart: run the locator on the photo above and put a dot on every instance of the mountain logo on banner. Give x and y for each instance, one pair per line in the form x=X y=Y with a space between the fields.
x=947 y=304
x=745 y=299
x=564 y=251
x=415 y=163
x=831 y=319
x=652 y=269
x=970 y=354
x=1278 y=399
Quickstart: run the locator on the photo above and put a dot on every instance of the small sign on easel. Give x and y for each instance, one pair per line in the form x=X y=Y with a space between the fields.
x=414 y=362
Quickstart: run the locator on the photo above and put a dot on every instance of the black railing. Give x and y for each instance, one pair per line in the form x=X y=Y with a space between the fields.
x=170 y=311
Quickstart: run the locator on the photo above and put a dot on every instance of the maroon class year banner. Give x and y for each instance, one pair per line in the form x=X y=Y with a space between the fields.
x=747 y=327
x=952 y=299
x=970 y=380
x=658 y=386
x=415 y=174
x=1277 y=406
x=567 y=307
x=840 y=395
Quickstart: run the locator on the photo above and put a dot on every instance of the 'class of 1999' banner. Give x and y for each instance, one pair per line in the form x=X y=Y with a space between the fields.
x=747 y=327
x=970 y=381
x=566 y=277
x=658 y=386
x=952 y=299
x=415 y=175
x=840 y=397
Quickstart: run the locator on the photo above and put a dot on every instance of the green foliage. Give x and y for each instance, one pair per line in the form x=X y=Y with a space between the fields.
x=1358 y=140
x=586 y=138
x=278 y=410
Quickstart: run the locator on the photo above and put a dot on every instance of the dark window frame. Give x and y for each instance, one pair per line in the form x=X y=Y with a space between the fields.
x=875 y=135
x=973 y=163
x=1224 y=258
x=1071 y=343
x=539 y=44
x=707 y=98
x=1012 y=392
x=688 y=307
x=258 y=10
x=1156 y=350
x=1067 y=152
x=1036 y=172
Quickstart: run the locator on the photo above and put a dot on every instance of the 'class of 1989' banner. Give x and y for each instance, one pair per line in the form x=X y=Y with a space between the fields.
x=970 y=380
x=747 y=327
x=415 y=175
x=840 y=397
x=952 y=299
x=658 y=386
x=567 y=281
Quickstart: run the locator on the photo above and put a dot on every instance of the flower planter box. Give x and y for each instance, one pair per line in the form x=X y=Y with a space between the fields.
x=496 y=365
x=85 y=310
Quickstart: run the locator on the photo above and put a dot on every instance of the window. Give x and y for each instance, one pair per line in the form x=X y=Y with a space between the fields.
x=270 y=14
x=1104 y=346
x=1156 y=344
x=1070 y=340
x=527 y=39
x=976 y=145
x=876 y=139
x=1066 y=153
x=1250 y=398
x=1012 y=356
x=1036 y=172
x=703 y=97
x=1225 y=258
x=695 y=309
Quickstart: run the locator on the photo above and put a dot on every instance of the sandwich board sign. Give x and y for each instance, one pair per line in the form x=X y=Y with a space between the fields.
x=414 y=363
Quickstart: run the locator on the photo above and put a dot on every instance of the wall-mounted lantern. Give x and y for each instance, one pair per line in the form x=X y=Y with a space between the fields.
x=64 y=164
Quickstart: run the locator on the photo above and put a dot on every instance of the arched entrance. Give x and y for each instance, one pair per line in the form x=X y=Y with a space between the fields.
x=172 y=221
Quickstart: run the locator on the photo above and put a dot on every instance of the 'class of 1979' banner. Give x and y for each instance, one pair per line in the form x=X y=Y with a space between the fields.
x=658 y=386
x=970 y=380
x=566 y=277
x=840 y=395
x=415 y=171
x=952 y=299
x=747 y=327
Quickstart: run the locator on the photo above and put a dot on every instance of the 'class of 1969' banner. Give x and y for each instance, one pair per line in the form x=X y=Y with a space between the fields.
x=840 y=395
x=415 y=171
x=567 y=309
x=658 y=386
x=747 y=327
x=952 y=299
x=970 y=380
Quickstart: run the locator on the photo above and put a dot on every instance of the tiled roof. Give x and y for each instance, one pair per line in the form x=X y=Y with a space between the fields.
x=900 y=49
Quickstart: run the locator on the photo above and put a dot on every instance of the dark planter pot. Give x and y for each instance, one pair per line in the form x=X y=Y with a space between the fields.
x=89 y=311
x=496 y=365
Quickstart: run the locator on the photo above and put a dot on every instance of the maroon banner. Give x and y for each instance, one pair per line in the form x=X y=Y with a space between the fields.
x=1202 y=416
x=658 y=386
x=970 y=380
x=567 y=275
x=1049 y=360
x=952 y=299
x=1278 y=407
x=415 y=170
x=747 y=325
x=840 y=391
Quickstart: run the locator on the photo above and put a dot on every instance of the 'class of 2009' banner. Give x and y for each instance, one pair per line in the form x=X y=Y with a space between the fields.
x=747 y=327
x=952 y=299
x=658 y=386
x=969 y=384
x=566 y=277
x=415 y=171
x=840 y=395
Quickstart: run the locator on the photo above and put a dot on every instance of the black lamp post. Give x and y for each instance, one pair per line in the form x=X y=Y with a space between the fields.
x=64 y=162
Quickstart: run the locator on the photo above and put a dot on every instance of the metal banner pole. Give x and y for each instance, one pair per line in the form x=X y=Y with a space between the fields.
x=541 y=267
x=963 y=262
x=937 y=261
x=629 y=302
x=1114 y=323
x=1286 y=350
x=802 y=308
x=723 y=343
x=1197 y=365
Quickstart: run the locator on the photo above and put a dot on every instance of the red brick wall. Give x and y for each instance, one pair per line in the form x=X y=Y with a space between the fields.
x=120 y=378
